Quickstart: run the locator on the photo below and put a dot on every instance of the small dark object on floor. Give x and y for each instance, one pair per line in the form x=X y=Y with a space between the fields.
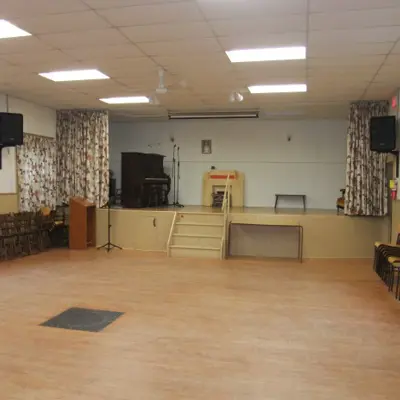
x=83 y=319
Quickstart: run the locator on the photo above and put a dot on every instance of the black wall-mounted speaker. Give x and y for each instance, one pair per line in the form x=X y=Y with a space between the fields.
x=11 y=129
x=383 y=134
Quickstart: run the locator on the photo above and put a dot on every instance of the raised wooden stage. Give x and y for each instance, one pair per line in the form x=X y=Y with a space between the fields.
x=326 y=235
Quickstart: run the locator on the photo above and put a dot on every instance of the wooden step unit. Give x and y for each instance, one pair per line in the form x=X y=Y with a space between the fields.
x=202 y=218
x=194 y=252
x=196 y=235
x=198 y=229
x=196 y=240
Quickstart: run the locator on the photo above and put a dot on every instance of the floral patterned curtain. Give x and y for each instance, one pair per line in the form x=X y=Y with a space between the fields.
x=82 y=155
x=366 y=190
x=36 y=169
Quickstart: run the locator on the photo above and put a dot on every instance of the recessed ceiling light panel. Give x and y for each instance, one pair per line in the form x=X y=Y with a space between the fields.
x=8 y=30
x=74 y=75
x=267 y=54
x=292 y=88
x=126 y=100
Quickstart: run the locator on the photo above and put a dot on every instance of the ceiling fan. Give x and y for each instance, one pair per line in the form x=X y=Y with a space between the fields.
x=163 y=89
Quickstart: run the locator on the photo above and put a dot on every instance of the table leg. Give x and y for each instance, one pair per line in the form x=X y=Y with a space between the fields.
x=304 y=203
x=301 y=242
x=276 y=202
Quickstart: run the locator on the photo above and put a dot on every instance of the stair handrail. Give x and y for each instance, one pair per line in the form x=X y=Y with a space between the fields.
x=226 y=205
x=171 y=232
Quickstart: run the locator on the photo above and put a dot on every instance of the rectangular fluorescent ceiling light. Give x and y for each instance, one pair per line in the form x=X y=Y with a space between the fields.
x=296 y=88
x=267 y=54
x=74 y=75
x=126 y=100
x=8 y=30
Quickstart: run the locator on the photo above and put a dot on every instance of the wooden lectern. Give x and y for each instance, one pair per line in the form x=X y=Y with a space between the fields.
x=82 y=223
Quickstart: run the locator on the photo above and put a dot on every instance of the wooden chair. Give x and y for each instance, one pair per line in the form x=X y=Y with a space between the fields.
x=44 y=224
x=11 y=245
x=340 y=201
x=3 y=236
x=382 y=266
x=25 y=233
x=23 y=227
x=394 y=274
x=382 y=253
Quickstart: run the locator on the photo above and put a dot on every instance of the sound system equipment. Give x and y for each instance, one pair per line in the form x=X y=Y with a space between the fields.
x=112 y=189
x=383 y=134
x=11 y=129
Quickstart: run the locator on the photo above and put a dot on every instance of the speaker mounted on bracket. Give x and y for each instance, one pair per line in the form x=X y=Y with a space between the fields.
x=11 y=131
x=383 y=134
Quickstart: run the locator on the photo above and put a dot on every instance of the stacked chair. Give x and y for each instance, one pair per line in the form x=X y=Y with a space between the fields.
x=25 y=233
x=387 y=266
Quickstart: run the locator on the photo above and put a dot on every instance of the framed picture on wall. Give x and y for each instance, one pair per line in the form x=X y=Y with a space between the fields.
x=206 y=146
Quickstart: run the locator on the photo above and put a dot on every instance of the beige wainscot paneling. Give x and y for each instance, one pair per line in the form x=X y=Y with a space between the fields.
x=135 y=229
x=395 y=219
x=325 y=236
x=8 y=203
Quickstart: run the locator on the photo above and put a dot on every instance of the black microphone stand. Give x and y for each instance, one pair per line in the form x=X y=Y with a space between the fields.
x=177 y=204
x=109 y=245
x=174 y=173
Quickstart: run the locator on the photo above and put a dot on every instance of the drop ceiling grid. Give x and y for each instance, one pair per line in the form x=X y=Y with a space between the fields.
x=352 y=47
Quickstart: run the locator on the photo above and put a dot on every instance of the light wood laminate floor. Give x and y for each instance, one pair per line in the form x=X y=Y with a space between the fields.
x=193 y=329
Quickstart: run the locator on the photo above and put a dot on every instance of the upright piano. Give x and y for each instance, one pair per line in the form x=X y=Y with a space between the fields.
x=143 y=181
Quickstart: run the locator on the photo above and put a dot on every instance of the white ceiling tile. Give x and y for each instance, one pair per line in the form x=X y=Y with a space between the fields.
x=152 y=14
x=93 y=86
x=251 y=40
x=8 y=72
x=77 y=21
x=27 y=45
x=387 y=78
x=99 y=52
x=259 y=26
x=355 y=19
x=396 y=48
x=370 y=35
x=393 y=60
x=137 y=87
x=388 y=74
x=378 y=91
x=195 y=46
x=125 y=67
x=22 y=8
x=375 y=60
x=348 y=49
x=336 y=5
x=280 y=72
x=215 y=61
x=37 y=57
x=103 y=4
x=228 y=9
x=72 y=40
x=34 y=82
x=168 y=32
x=41 y=61
x=349 y=72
